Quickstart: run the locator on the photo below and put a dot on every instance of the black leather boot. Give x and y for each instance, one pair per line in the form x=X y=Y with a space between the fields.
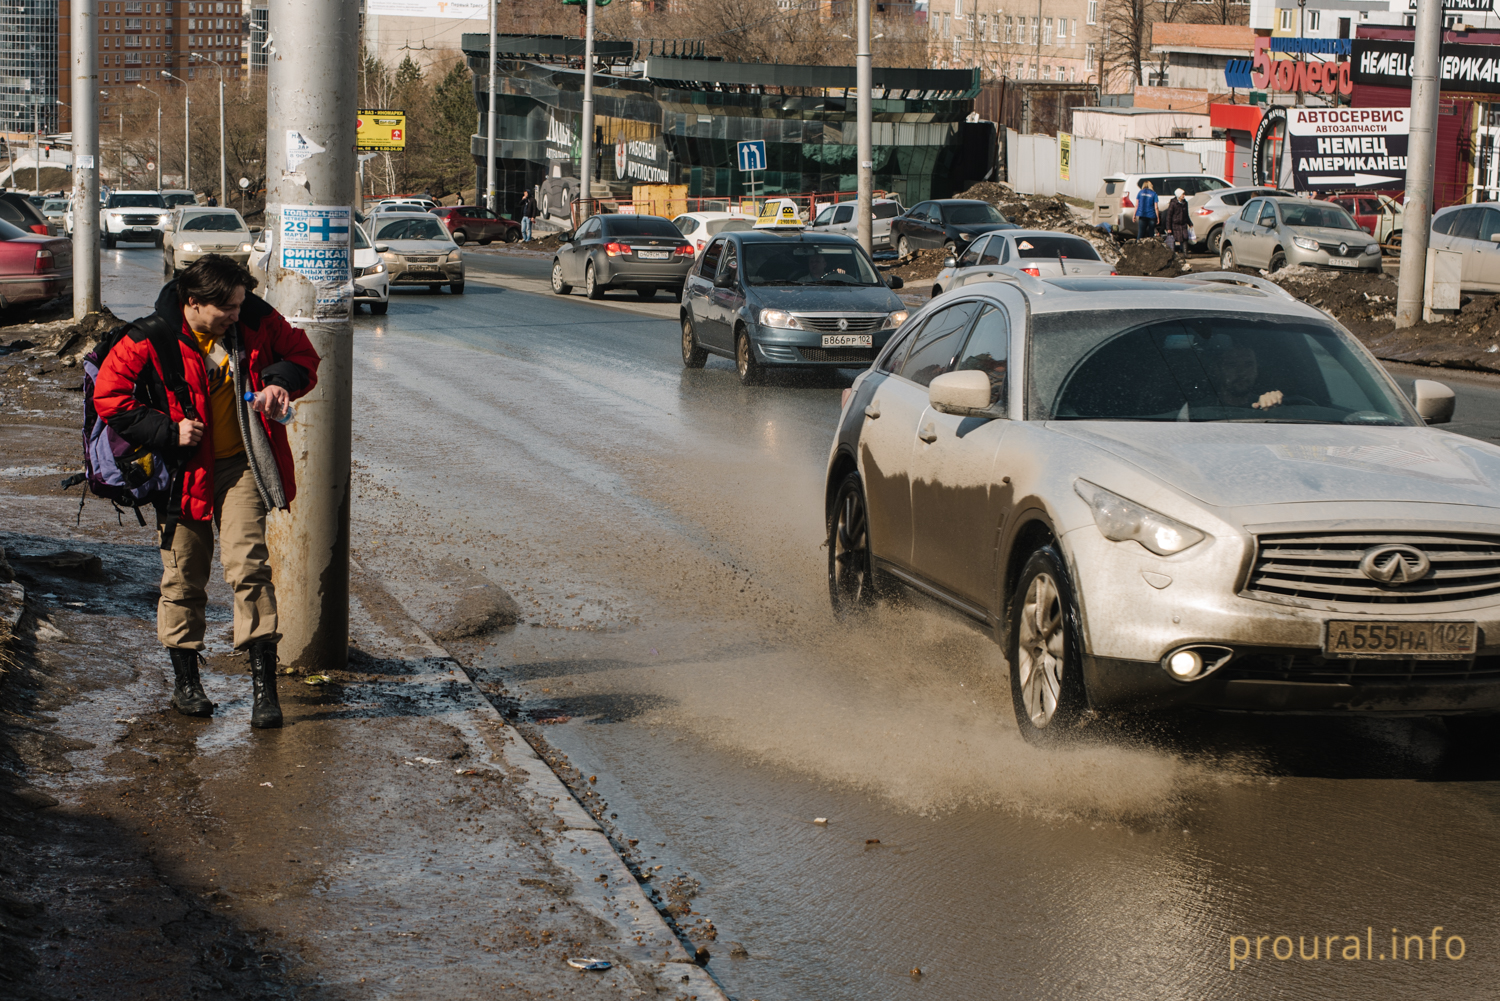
x=266 y=714
x=187 y=694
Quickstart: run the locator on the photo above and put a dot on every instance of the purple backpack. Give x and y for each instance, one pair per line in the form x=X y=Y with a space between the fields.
x=124 y=474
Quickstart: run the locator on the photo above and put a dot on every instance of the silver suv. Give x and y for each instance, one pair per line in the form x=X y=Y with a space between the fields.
x=1272 y=233
x=840 y=219
x=1194 y=492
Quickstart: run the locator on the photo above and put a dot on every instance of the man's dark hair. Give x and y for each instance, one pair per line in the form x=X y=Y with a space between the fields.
x=212 y=279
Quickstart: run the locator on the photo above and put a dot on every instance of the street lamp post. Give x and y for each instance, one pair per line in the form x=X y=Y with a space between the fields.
x=158 y=130
x=223 y=171
x=186 y=135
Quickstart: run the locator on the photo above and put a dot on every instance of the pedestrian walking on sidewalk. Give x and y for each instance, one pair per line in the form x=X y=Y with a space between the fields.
x=527 y=212
x=233 y=460
x=1145 y=211
x=1177 y=223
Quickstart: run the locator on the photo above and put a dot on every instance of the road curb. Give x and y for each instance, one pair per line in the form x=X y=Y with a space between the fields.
x=604 y=886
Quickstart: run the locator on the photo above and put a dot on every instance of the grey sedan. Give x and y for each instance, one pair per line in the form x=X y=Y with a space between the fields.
x=802 y=300
x=1155 y=494
x=416 y=250
x=1272 y=233
x=640 y=252
x=1039 y=253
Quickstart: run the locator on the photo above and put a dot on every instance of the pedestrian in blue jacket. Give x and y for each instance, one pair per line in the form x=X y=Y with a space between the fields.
x=1145 y=212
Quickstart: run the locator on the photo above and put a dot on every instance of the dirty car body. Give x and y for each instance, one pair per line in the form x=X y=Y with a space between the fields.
x=1328 y=553
x=1039 y=253
x=1273 y=233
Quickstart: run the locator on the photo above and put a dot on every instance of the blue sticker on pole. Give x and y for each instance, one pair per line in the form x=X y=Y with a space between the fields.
x=315 y=244
x=752 y=154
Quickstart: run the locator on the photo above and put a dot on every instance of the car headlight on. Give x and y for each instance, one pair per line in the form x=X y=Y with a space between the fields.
x=1373 y=248
x=455 y=255
x=779 y=318
x=374 y=269
x=161 y=219
x=1305 y=243
x=894 y=320
x=245 y=248
x=1126 y=521
x=189 y=248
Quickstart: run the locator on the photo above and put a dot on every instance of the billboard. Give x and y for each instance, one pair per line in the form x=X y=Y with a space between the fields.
x=381 y=130
x=1341 y=148
x=455 y=9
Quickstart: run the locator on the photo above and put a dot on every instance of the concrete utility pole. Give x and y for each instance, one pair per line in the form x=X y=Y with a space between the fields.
x=86 y=297
x=489 y=117
x=223 y=170
x=1421 y=163
x=187 y=137
x=311 y=90
x=864 y=117
x=587 y=150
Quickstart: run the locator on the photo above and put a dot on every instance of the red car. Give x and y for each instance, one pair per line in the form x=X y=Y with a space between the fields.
x=470 y=222
x=33 y=268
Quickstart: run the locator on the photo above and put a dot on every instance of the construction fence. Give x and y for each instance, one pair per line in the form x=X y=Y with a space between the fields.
x=1068 y=165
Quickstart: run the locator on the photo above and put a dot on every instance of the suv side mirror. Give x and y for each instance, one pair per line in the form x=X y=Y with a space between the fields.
x=894 y=282
x=963 y=394
x=1433 y=399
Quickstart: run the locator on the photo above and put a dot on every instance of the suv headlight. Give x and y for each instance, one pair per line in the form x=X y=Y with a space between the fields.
x=779 y=318
x=894 y=320
x=455 y=256
x=1125 y=521
x=1305 y=243
x=245 y=248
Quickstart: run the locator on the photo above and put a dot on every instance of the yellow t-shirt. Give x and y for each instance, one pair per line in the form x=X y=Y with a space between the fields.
x=223 y=423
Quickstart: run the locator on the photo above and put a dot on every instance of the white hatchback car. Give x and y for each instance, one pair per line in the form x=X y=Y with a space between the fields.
x=1037 y=252
x=1159 y=493
x=701 y=227
x=372 y=279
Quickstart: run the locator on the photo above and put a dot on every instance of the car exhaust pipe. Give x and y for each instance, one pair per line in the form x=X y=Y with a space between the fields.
x=1195 y=662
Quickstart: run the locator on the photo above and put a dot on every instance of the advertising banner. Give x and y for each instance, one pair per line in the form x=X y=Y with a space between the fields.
x=453 y=9
x=381 y=130
x=315 y=244
x=1474 y=69
x=1341 y=148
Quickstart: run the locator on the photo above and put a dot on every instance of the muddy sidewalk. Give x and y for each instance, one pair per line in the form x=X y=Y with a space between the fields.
x=397 y=839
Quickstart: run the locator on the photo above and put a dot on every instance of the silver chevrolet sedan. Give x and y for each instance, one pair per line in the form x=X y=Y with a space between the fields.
x=1159 y=493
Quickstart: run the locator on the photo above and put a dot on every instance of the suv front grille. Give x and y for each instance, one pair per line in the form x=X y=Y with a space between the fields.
x=142 y=220
x=860 y=356
x=423 y=260
x=1313 y=668
x=1312 y=567
x=830 y=324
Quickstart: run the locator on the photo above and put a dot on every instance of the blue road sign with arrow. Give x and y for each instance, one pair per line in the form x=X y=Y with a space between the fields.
x=752 y=154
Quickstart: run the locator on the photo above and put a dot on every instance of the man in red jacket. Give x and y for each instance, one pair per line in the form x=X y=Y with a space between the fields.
x=230 y=459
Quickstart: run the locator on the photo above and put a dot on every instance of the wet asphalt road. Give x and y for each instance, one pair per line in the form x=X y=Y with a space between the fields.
x=661 y=530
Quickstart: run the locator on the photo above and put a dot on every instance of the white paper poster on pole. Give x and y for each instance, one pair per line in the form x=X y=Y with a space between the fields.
x=298 y=149
x=456 y=9
x=315 y=244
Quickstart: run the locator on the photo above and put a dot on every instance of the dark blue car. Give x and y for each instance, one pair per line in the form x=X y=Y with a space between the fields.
x=797 y=300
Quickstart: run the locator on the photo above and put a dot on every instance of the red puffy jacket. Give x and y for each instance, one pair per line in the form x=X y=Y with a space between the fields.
x=276 y=354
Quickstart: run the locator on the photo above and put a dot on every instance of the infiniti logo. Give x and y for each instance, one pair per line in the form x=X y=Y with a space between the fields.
x=1394 y=564
x=843 y=323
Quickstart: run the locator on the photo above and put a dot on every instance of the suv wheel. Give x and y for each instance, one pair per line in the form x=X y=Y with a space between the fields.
x=1046 y=658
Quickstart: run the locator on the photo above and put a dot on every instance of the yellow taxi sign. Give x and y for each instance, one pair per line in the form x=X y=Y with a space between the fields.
x=381 y=130
x=779 y=213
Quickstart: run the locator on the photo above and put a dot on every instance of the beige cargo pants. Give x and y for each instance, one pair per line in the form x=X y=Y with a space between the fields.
x=240 y=516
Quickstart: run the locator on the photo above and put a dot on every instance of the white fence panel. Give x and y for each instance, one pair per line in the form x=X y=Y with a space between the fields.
x=1044 y=164
x=1086 y=167
x=1183 y=162
x=1032 y=163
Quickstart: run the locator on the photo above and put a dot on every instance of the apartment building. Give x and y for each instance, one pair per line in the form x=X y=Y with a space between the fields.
x=1055 y=40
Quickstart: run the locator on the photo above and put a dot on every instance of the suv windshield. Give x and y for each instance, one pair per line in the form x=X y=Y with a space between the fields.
x=1196 y=366
x=967 y=215
x=179 y=198
x=807 y=264
x=55 y=205
x=646 y=225
x=1056 y=246
x=427 y=228
x=136 y=202
x=1323 y=216
x=214 y=222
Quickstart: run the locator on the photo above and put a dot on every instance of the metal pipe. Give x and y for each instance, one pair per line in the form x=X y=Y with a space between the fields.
x=158 y=130
x=1421 y=154
x=223 y=169
x=489 y=116
x=864 y=112
x=86 y=296
x=587 y=125
x=311 y=89
x=186 y=132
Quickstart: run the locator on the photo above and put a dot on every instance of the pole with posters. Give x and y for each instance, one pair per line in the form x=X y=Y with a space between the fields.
x=489 y=116
x=864 y=118
x=86 y=293
x=1421 y=163
x=311 y=123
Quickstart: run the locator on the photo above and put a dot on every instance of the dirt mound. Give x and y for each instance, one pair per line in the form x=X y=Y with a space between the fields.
x=1150 y=259
x=1043 y=212
x=919 y=267
x=549 y=242
x=989 y=191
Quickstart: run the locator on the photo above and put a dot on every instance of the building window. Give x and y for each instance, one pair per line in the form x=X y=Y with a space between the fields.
x=1074 y=23
x=946 y=28
x=1047 y=31
x=1093 y=14
x=1411 y=20
x=1046 y=72
x=969 y=27
x=132 y=74
x=1009 y=24
x=1314 y=20
x=984 y=26
x=1035 y=27
x=1070 y=74
x=1059 y=74
x=1088 y=56
x=1285 y=20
